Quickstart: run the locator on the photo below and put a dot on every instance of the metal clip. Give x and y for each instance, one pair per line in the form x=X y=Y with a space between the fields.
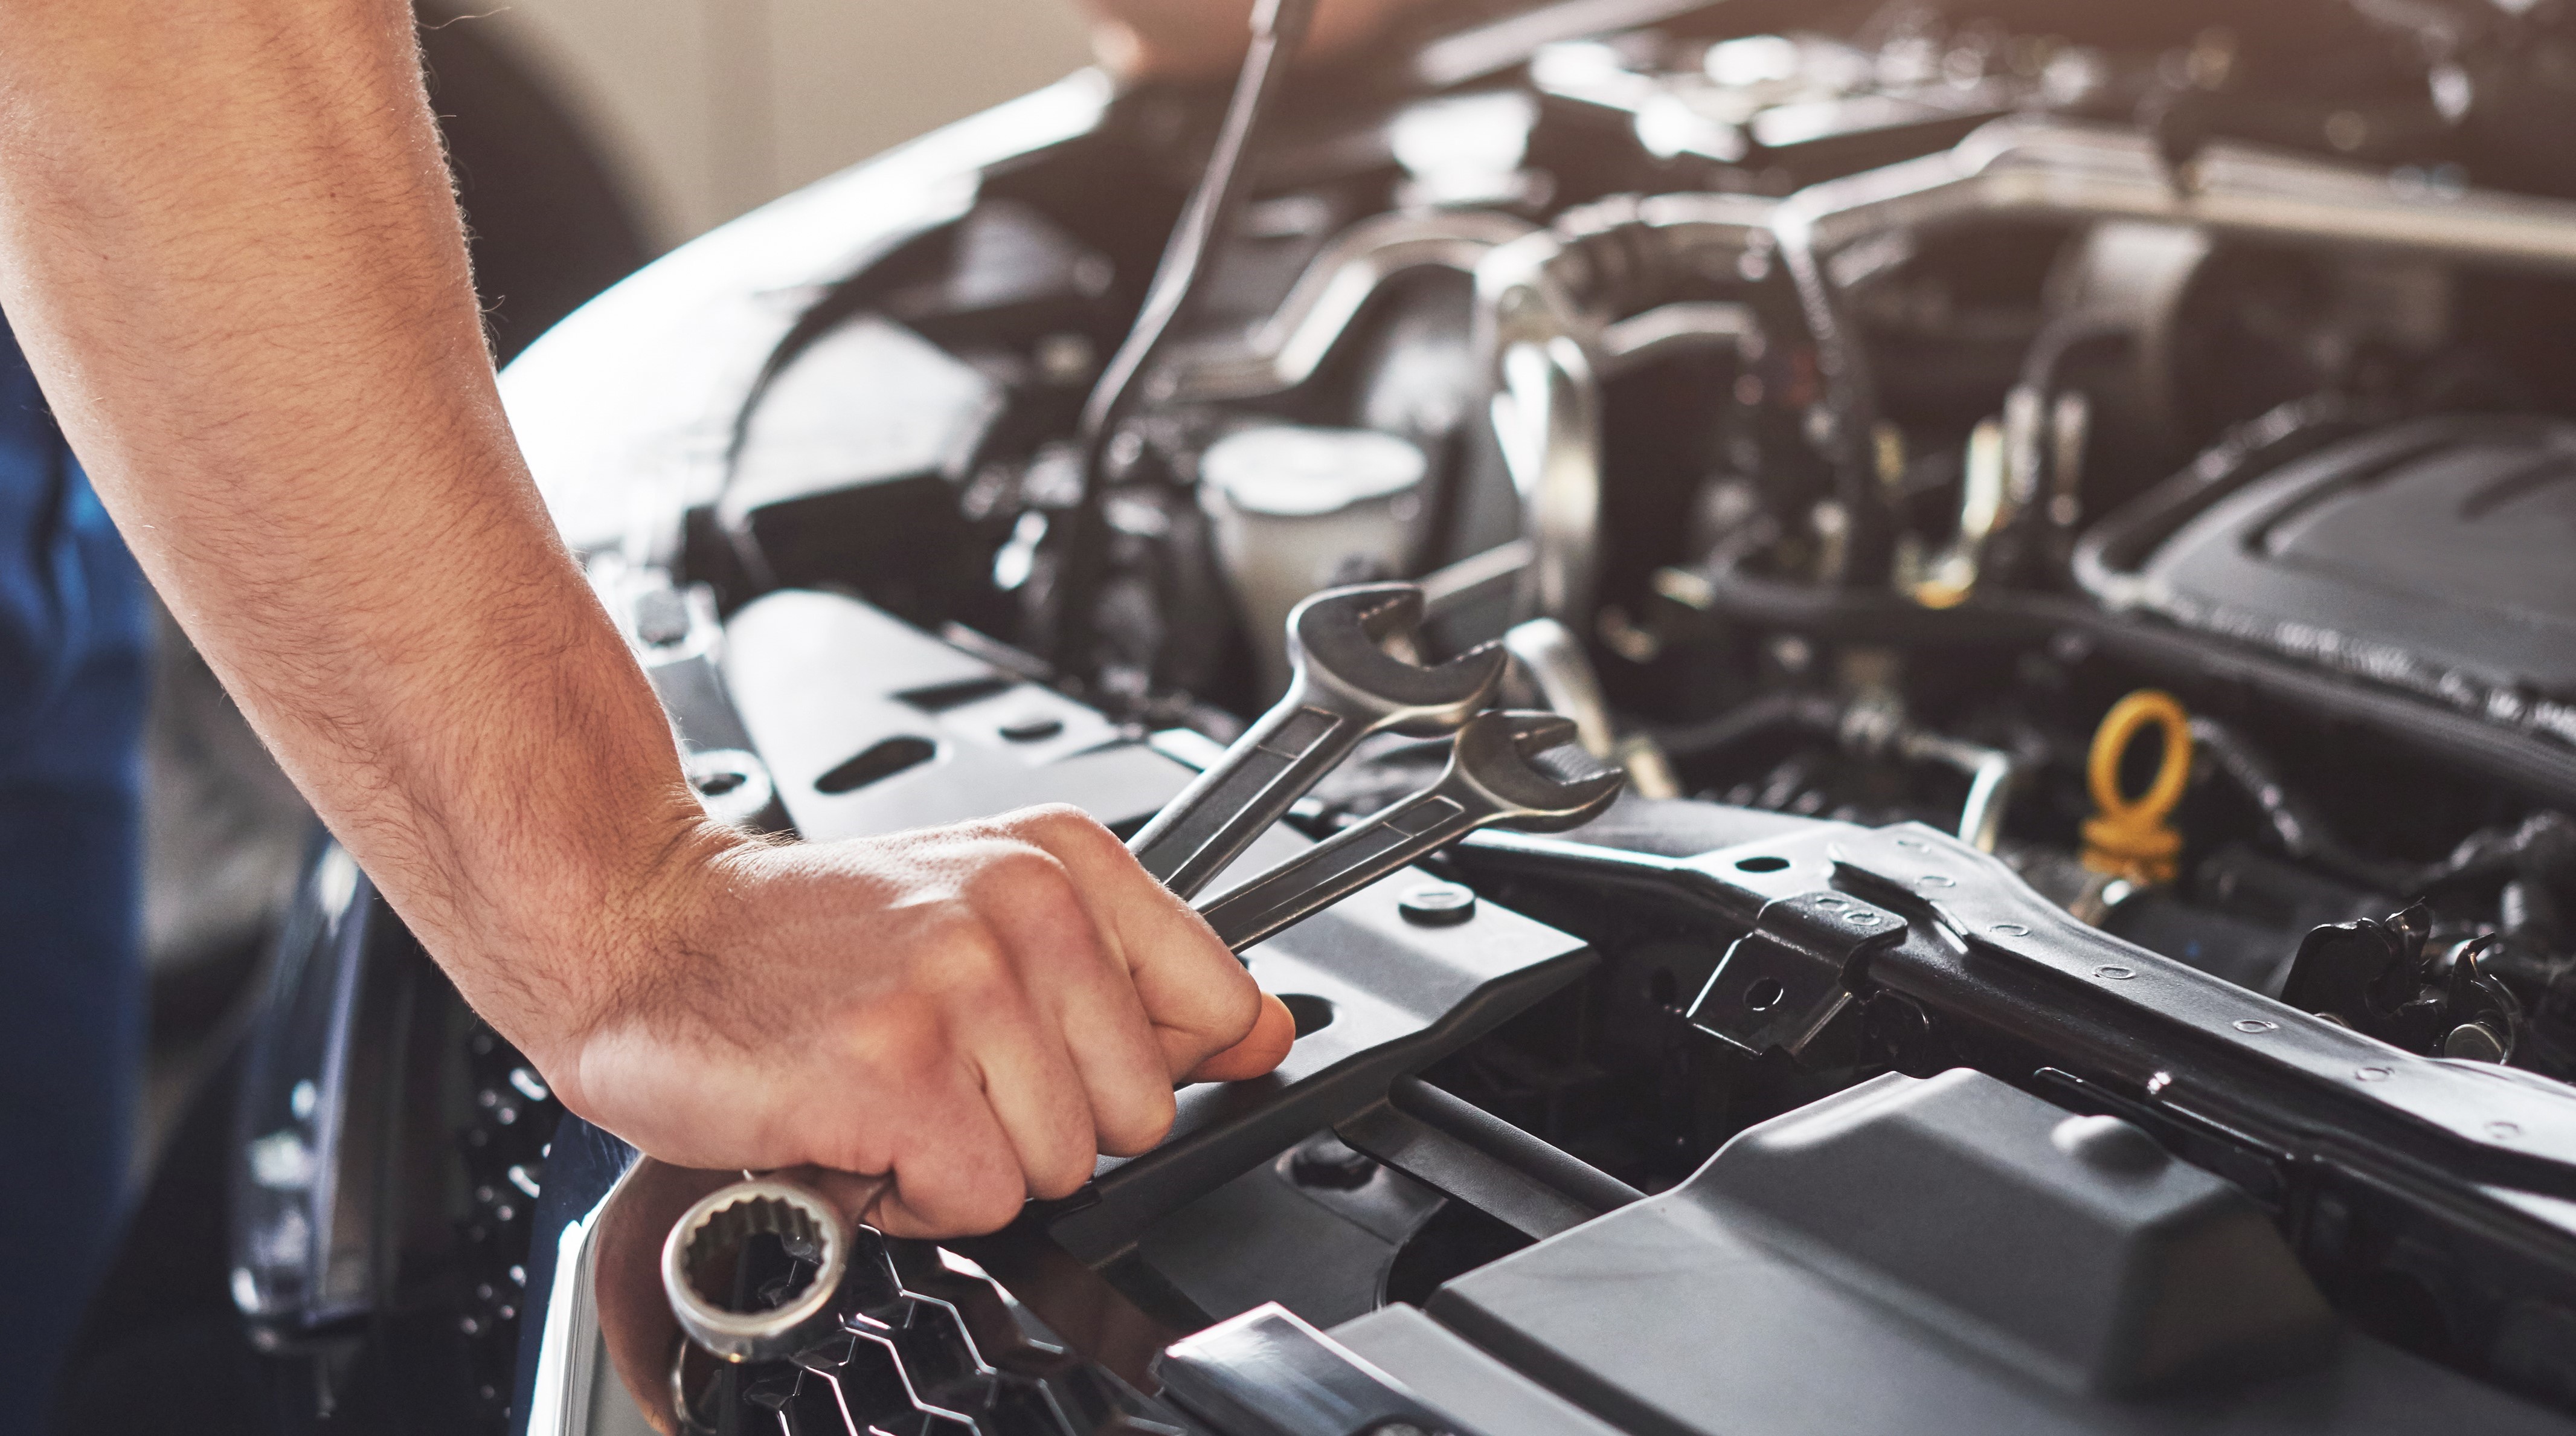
x=1787 y=984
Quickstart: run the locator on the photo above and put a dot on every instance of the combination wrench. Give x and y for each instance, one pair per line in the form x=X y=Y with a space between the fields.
x=1517 y=770
x=1345 y=686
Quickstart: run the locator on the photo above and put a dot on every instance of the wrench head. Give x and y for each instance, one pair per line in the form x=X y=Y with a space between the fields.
x=1339 y=641
x=1534 y=770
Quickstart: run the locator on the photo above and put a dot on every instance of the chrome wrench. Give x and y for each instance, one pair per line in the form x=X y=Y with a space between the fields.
x=1516 y=770
x=1346 y=686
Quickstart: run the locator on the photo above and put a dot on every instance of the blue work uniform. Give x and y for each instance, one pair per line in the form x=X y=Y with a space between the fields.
x=72 y=669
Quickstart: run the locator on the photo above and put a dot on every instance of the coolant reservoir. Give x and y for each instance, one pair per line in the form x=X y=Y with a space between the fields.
x=1298 y=509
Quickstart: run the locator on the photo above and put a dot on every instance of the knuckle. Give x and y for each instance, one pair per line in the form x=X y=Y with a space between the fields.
x=1061 y=1174
x=1023 y=868
x=968 y=949
x=905 y=1049
x=990 y=1205
x=1058 y=818
x=1065 y=829
x=1141 y=1124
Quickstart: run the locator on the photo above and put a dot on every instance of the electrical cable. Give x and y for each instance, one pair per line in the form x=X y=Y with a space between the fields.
x=1277 y=28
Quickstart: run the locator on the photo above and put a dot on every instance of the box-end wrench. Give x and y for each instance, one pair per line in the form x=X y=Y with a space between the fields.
x=1517 y=770
x=1346 y=685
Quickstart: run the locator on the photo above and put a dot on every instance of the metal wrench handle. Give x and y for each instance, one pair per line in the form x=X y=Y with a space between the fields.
x=1261 y=777
x=1496 y=775
x=1346 y=686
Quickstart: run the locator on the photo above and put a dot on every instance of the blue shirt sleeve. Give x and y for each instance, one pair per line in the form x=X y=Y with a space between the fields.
x=71 y=601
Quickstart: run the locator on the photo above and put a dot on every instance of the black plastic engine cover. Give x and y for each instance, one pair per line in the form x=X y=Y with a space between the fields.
x=2432 y=554
x=1944 y=1256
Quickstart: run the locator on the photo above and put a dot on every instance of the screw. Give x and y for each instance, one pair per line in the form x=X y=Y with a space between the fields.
x=1438 y=905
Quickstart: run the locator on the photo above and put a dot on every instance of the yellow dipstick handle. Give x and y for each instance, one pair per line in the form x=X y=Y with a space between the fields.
x=2127 y=837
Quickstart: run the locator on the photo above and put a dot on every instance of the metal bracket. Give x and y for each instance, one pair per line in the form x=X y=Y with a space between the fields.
x=1788 y=984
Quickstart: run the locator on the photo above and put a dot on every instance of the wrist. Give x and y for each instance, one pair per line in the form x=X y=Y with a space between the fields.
x=609 y=932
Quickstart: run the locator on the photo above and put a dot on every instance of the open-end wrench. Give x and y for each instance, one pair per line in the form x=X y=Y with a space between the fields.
x=1345 y=687
x=1517 y=770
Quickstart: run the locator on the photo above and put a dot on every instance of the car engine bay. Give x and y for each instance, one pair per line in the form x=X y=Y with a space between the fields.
x=2062 y=513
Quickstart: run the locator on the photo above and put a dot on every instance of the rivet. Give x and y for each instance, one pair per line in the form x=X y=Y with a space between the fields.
x=2256 y=1024
x=2011 y=929
x=2374 y=1074
x=1036 y=728
x=2114 y=974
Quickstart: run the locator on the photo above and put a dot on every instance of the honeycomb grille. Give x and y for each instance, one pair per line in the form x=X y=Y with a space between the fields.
x=928 y=1346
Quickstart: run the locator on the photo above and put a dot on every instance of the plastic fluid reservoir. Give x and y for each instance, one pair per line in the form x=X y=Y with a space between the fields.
x=1298 y=509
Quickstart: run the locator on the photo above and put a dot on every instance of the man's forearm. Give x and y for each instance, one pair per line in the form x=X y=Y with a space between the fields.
x=229 y=248
x=227 y=243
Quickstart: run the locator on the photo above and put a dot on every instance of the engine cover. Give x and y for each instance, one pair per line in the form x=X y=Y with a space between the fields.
x=2432 y=555
x=2039 y=1274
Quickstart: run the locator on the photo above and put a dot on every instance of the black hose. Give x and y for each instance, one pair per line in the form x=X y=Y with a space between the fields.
x=1277 y=27
x=2300 y=832
x=1851 y=400
x=2061 y=338
x=1751 y=719
x=1549 y=1166
x=2539 y=767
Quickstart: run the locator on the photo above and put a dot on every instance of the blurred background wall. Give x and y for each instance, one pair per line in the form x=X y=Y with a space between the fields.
x=707 y=108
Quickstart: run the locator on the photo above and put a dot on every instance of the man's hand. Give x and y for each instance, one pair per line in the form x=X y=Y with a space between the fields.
x=978 y=1010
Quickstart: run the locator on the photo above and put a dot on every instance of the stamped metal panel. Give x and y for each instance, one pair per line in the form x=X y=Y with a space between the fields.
x=869 y=725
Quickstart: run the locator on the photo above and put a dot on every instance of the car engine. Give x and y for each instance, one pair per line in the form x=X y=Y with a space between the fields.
x=2064 y=515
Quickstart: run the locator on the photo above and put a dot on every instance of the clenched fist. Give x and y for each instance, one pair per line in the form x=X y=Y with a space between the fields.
x=976 y=1011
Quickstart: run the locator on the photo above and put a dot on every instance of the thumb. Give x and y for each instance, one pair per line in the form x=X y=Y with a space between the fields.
x=1273 y=1032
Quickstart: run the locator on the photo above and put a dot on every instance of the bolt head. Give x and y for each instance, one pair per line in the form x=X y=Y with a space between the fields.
x=1327 y=1162
x=1438 y=904
x=1036 y=728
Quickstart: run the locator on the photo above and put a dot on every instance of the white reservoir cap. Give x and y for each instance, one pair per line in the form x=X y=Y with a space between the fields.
x=1291 y=472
